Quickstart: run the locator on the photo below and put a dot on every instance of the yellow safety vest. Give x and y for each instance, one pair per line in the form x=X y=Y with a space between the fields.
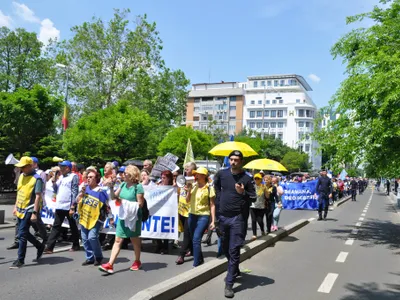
x=25 y=188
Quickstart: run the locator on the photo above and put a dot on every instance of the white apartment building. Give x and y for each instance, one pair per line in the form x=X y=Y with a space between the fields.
x=279 y=105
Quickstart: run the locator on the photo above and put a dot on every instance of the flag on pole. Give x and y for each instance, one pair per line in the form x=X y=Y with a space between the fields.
x=64 y=121
x=189 y=153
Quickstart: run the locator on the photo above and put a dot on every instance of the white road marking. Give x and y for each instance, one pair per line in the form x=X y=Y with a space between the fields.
x=358 y=224
x=354 y=231
x=342 y=257
x=349 y=241
x=364 y=211
x=362 y=215
x=311 y=219
x=361 y=219
x=328 y=283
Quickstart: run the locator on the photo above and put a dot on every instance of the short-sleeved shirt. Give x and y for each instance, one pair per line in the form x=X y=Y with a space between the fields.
x=130 y=195
x=200 y=200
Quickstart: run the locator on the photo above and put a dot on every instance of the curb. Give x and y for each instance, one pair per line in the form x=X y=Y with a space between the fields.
x=340 y=202
x=7 y=225
x=189 y=280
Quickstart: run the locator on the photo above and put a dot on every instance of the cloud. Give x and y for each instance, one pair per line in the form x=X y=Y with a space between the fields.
x=314 y=78
x=25 y=13
x=48 y=31
x=5 y=20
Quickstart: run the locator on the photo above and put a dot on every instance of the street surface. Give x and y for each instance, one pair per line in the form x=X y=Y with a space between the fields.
x=61 y=276
x=352 y=256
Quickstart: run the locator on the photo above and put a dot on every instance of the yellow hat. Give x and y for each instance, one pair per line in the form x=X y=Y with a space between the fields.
x=258 y=175
x=24 y=161
x=201 y=170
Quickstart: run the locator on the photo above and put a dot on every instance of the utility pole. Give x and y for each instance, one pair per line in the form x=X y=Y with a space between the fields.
x=263 y=112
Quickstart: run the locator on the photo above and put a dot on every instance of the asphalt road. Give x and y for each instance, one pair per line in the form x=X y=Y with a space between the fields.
x=61 y=276
x=326 y=259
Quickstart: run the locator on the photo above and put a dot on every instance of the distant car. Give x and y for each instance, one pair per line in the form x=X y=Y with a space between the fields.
x=211 y=165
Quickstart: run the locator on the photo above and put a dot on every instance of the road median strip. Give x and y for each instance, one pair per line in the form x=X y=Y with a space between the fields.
x=189 y=280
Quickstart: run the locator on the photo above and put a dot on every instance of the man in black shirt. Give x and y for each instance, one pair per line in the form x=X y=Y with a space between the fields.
x=235 y=191
x=353 y=188
x=324 y=191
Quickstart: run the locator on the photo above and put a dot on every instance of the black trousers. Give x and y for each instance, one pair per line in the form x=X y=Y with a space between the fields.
x=353 y=195
x=187 y=244
x=257 y=217
x=60 y=216
x=323 y=204
x=269 y=211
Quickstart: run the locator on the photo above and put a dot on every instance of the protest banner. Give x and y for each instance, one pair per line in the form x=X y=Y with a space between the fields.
x=163 y=164
x=49 y=209
x=299 y=195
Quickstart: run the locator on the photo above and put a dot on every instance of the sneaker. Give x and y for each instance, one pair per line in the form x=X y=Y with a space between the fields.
x=180 y=260
x=253 y=238
x=188 y=254
x=87 y=262
x=107 y=268
x=229 y=291
x=74 y=248
x=106 y=247
x=15 y=245
x=137 y=265
x=48 y=251
x=39 y=252
x=16 y=264
x=97 y=262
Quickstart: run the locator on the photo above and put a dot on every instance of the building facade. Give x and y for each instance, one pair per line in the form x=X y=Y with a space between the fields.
x=216 y=104
x=276 y=105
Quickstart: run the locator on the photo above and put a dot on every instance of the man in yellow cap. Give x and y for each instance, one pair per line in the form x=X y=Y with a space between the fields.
x=26 y=209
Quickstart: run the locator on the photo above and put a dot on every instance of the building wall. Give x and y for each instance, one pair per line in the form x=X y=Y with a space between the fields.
x=189 y=112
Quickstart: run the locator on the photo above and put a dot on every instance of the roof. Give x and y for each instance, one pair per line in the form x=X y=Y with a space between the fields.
x=300 y=78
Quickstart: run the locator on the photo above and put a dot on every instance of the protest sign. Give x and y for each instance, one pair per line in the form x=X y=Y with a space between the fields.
x=299 y=195
x=163 y=164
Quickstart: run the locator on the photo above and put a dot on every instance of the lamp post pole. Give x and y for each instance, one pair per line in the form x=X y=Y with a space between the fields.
x=66 y=85
x=263 y=113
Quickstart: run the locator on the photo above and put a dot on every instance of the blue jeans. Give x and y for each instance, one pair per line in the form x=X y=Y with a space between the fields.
x=197 y=225
x=232 y=230
x=91 y=243
x=24 y=236
x=276 y=215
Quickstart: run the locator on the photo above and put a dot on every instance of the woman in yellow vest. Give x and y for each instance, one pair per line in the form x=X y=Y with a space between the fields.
x=27 y=206
x=92 y=209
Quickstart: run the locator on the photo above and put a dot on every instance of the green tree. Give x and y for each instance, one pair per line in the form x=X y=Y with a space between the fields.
x=118 y=132
x=22 y=60
x=368 y=100
x=26 y=117
x=110 y=61
x=295 y=161
x=176 y=140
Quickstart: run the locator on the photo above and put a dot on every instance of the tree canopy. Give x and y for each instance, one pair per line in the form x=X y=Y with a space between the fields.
x=295 y=161
x=368 y=100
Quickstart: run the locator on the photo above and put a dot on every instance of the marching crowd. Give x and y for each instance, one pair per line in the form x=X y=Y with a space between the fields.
x=222 y=203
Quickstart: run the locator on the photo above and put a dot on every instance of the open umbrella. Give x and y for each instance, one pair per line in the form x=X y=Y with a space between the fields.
x=265 y=164
x=224 y=149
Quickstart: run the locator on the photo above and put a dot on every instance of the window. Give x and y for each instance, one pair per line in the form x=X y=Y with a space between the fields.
x=259 y=125
x=196 y=109
x=280 y=113
x=232 y=118
x=292 y=82
x=273 y=113
x=252 y=114
x=252 y=102
x=269 y=83
x=255 y=84
x=207 y=99
x=301 y=124
x=275 y=82
x=301 y=112
x=301 y=135
x=260 y=102
x=196 y=100
x=266 y=113
x=233 y=98
x=274 y=101
x=280 y=136
x=221 y=98
x=204 y=118
x=262 y=83
x=307 y=147
x=196 y=118
x=280 y=101
x=232 y=107
x=282 y=83
x=252 y=124
x=280 y=124
x=323 y=122
x=267 y=101
x=297 y=100
x=266 y=124
x=232 y=127
x=308 y=113
x=273 y=124
x=307 y=137
x=196 y=127
x=259 y=113
x=308 y=124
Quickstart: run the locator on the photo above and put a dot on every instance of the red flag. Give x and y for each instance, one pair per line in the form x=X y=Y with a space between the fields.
x=65 y=118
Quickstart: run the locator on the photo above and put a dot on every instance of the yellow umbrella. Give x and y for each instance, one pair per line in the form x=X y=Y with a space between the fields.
x=265 y=164
x=224 y=149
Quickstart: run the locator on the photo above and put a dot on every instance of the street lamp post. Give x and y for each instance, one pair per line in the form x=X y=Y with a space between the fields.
x=263 y=112
x=62 y=66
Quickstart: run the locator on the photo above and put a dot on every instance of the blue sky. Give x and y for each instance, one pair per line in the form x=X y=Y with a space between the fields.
x=220 y=39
